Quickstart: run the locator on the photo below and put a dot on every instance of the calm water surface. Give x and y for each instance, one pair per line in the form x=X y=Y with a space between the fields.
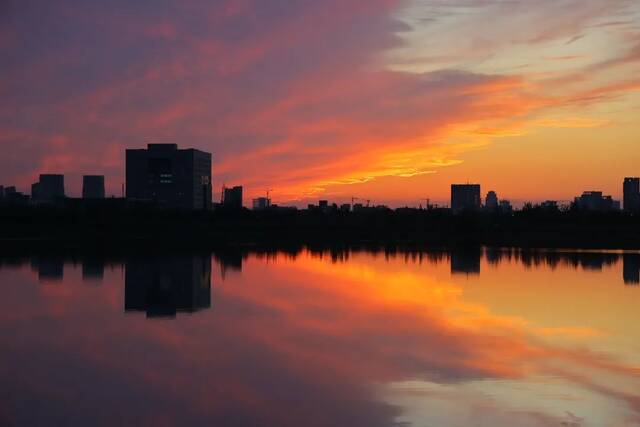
x=474 y=338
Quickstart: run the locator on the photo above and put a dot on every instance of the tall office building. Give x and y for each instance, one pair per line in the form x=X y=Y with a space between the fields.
x=93 y=187
x=232 y=198
x=631 y=192
x=172 y=177
x=465 y=197
x=48 y=188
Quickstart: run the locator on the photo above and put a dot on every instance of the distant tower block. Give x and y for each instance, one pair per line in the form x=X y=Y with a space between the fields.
x=233 y=198
x=631 y=192
x=465 y=197
x=93 y=187
x=261 y=203
x=48 y=188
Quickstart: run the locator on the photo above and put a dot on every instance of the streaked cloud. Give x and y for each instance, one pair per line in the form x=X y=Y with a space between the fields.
x=300 y=96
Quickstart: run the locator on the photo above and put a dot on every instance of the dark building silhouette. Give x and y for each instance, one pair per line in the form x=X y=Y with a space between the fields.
x=14 y=197
x=466 y=261
x=549 y=205
x=49 y=187
x=631 y=269
x=169 y=176
x=465 y=197
x=631 y=192
x=1 y=192
x=505 y=206
x=232 y=197
x=595 y=201
x=261 y=203
x=93 y=187
x=163 y=286
x=491 y=201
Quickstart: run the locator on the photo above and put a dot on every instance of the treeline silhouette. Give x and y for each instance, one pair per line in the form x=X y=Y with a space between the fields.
x=116 y=222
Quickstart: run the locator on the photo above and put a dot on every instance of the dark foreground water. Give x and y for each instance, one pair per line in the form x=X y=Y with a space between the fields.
x=478 y=337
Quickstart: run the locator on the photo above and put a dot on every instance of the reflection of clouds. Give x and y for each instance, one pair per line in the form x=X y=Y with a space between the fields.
x=434 y=335
x=299 y=341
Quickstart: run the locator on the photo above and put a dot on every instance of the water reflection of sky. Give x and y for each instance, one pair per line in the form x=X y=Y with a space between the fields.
x=476 y=338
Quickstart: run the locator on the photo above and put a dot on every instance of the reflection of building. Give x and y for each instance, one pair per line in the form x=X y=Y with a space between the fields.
x=466 y=261
x=50 y=268
x=230 y=261
x=631 y=191
x=465 y=197
x=48 y=188
x=93 y=187
x=232 y=197
x=164 y=286
x=171 y=177
x=631 y=269
x=92 y=268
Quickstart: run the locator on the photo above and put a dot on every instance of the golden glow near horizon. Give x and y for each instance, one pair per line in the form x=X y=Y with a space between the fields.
x=577 y=66
x=386 y=100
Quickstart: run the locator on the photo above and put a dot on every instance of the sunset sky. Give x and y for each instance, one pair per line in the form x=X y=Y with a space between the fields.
x=385 y=100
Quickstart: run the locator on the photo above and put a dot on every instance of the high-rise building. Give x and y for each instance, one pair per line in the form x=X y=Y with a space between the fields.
x=232 y=197
x=465 y=197
x=631 y=192
x=171 y=177
x=1 y=192
x=491 y=202
x=93 y=187
x=48 y=188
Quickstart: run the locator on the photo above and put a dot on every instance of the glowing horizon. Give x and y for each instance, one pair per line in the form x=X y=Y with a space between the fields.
x=385 y=100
